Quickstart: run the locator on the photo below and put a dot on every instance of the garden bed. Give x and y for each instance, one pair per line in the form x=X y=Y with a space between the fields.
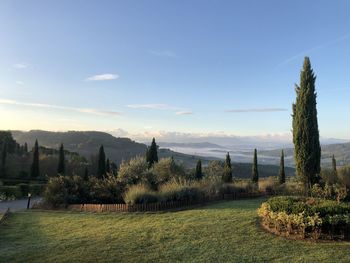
x=306 y=218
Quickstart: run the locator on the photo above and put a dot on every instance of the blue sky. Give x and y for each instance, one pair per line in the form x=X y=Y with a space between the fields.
x=201 y=67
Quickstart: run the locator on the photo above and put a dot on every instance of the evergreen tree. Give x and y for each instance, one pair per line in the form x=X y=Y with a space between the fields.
x=114 y=168
x=282 y=174
x=152 y=154
x=34 y=171
x=334 y=166
x=86 y=174
x=3 y=160
x=101 y=163
x=307 y=150
x=227 y=174
x=198 y=173
x=255 y=172
x=25 y=147
x=108 y=166
x=61 y=169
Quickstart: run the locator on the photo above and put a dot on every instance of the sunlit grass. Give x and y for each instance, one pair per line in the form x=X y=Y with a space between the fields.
x=222 y=232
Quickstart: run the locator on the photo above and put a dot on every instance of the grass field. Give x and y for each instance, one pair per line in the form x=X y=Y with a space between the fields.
x=223 y=232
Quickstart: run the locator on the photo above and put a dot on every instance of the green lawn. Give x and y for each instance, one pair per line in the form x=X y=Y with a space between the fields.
x=223 y=232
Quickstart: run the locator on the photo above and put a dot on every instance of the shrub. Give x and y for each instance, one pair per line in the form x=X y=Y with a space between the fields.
x=133 y=171
x=306 y=216
x=36 y=189
x=108 y=190
x=167 y=169
x=139 y=194
x=24 y=188
x=11 y=192
x=176 y=190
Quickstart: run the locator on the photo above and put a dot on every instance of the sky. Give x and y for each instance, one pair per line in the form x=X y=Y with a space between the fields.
x=186 y=67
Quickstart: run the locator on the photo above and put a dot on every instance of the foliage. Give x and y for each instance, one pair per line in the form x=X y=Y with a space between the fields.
x=134 y=171
x=152 y=154
x=282 y=173
x=108 y=190
x=61 y=169
x=139 y=194
x=34 y=171
x=167 y=169
x=227 y=173
x=198 y=174
x=101 y=170
x=307 y=152
x=214 y=169
x=255 y=172
x=11 y=192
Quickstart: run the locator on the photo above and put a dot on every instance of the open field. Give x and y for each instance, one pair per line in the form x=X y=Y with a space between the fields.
x=222 y=232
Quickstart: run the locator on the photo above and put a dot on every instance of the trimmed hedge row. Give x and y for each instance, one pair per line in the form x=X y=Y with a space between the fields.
x=306 y=217
x=10 y=192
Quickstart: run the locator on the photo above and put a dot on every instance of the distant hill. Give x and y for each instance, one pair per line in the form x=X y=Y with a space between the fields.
x=341 y=152
x=190 y=145
x=86 y=143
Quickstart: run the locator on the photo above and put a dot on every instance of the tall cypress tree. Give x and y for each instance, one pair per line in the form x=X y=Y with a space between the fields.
x=25 y=147
x=152 y=154
x=61 y=169
x=108 y=166
x=101 y=163
x=334 y=166
x=3 y=159
x=227 y=175
x=198 y=173
x=255 y=172
x=282 y=174
x=307 y=150
x=86 y=174
x=34 y=171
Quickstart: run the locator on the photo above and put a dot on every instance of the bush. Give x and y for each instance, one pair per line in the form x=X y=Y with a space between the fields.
x=105 y=191
x=167 y=169
x=134 y=171
x=139 y=194
x=36 y=189
x=176 y=190
x=10 y=192
x=24 y=188
x=307 y=216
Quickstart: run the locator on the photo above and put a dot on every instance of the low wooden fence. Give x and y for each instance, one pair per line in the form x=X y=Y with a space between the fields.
x=161 y=206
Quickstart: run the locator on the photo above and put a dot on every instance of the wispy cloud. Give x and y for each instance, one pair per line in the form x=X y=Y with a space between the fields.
x=100 y=77
x=256 y=110
x=20 y=65
x=153 y=106
x=184 y=113
x=163 y=53
x=57 y=107
x=19 y=83
x=312 y=49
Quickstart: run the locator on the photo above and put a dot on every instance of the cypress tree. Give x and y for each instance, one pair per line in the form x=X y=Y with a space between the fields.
x=34 y=171
x=3 y=159
x=25 y=147
x=61 y=169
x=114 y=168
x=334 y=166
x=86 y=174
x=255 y=172
x=282 y=174
x=101 y=163
x=198 y=173
x=307 y=150
x=108 y=166
x=227 y=175
x=152 y=154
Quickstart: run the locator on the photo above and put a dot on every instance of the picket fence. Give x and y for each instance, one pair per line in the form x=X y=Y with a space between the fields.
x=161 y=206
